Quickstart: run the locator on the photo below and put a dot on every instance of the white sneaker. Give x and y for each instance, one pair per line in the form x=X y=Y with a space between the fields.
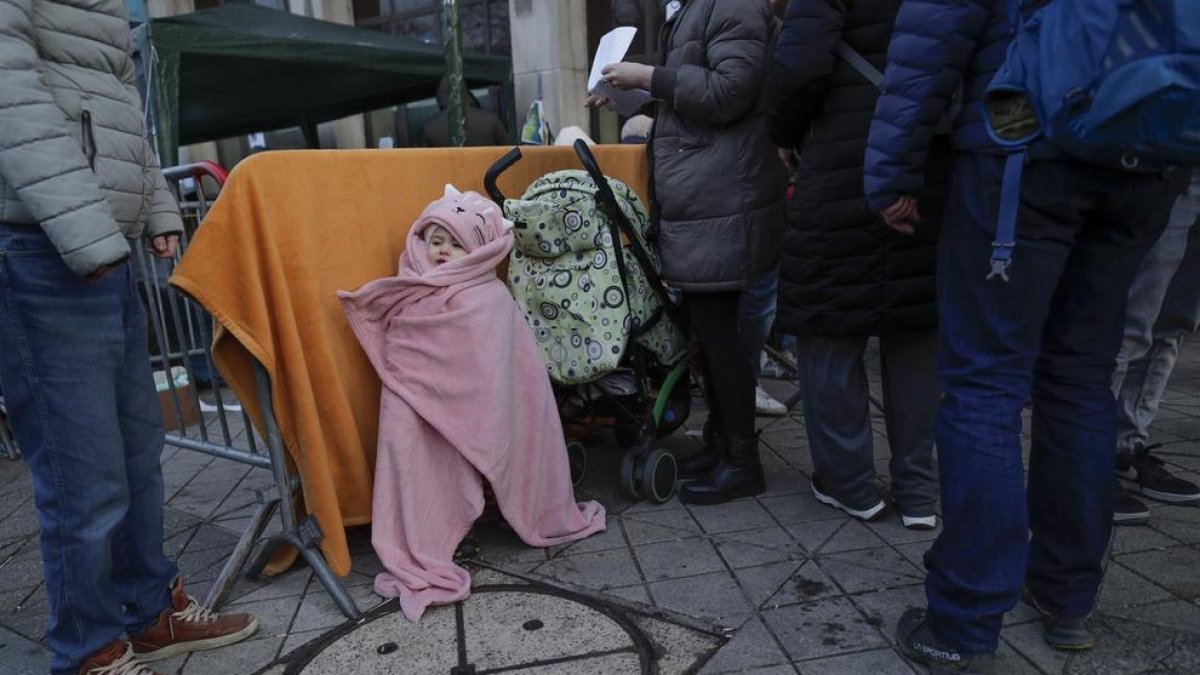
x=765 y=404
x=862 y=514
x=920 y=522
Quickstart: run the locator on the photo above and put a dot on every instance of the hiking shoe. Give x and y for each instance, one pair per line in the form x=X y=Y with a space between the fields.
x=765 y=404
x=185 y=626
x=1062 y=632
x=1067 y=633
x=867 y=512
x=1129 y=510
x=115 y=658
x=917 y=642
x=1152 y=477
x=919 y=523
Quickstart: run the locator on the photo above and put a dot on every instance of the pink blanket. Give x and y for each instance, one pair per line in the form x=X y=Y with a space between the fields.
x=465 y=398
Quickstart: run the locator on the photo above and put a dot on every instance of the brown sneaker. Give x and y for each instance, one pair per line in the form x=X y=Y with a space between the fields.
x=185 y=626
x=115 y=658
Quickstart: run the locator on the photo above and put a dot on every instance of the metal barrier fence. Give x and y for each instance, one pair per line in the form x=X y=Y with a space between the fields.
x=181 y=340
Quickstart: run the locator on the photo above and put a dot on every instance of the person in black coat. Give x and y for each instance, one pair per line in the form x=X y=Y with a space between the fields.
x=845 y=276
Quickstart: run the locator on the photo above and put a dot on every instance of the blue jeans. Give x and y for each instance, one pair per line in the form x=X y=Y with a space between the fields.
x=1164 y=307
x=756 y=313
x=1051 y=334
x=77 y=382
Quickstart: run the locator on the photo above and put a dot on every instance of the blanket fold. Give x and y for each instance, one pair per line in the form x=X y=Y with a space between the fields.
x=466 y=398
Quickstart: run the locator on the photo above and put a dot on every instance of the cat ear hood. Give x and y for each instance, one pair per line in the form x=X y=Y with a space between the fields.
x=473 y=219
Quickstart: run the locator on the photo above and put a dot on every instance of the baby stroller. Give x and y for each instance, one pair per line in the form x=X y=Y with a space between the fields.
x=588 y=282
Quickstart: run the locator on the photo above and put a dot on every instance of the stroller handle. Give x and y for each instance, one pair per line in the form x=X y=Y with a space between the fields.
x=494 y=171
x=589 y=160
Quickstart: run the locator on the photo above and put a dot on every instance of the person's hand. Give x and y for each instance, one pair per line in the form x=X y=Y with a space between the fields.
x=163 y=246
x=902 y=215
x=788 y=158
x=597 y=101
x=628 y=75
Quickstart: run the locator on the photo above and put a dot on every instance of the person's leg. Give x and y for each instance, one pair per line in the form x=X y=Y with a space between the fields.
x=910 y=403
x=1147 y=303
x=837 y=418
x=62 y=345
x=713 y=319
x=1074 y=417
x=989 y=331
x=756 y=317
x=142 y=573
x=1147 y=377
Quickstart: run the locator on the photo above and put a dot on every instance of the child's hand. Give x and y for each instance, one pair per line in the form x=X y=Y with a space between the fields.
x=628 y=75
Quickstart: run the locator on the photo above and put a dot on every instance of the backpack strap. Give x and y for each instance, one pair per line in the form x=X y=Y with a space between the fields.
x=1006 y=224
x=859 y=63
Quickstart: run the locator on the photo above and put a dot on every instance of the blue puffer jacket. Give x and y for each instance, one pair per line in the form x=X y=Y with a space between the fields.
x=936 y=44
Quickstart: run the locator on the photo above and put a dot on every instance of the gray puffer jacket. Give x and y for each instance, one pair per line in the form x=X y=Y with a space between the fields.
x=718 y=182
x=73 y=152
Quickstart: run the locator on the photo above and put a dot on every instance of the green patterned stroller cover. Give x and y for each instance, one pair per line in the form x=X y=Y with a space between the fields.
x=564 y=275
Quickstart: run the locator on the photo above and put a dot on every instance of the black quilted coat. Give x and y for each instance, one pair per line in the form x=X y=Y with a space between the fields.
x=844 y=273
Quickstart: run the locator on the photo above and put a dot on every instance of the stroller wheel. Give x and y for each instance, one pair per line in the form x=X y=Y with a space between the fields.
x=577 y=457
x=631 y=483
x=658 y=474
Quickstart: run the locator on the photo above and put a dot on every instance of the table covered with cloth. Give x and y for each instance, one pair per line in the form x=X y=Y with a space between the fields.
x=288 y=231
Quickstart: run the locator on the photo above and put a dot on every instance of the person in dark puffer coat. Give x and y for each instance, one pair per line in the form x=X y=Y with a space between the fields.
x=718 y=195
x=845 y=275
x=1048 y=331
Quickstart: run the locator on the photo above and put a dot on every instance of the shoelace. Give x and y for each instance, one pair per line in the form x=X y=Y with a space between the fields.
x=126 y=665
x=194 y=613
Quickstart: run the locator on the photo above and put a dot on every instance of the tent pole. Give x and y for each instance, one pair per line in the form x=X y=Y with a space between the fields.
x=456 y=105
x=312 y=139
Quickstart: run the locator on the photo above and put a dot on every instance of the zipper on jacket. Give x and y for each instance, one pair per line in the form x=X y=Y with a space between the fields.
x=88 y=136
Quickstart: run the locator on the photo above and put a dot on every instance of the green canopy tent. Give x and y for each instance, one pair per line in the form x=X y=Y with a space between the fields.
x=241 y=68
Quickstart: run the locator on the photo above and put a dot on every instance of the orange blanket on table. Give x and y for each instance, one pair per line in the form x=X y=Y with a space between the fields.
x=289 y=230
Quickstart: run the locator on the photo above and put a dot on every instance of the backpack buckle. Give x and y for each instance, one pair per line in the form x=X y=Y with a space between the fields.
x=1001 y=260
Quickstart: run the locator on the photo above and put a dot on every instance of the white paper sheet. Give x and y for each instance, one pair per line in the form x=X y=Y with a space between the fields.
x=612 y=49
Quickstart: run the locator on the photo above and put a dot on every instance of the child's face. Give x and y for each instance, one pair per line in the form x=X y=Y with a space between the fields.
x=442 y=246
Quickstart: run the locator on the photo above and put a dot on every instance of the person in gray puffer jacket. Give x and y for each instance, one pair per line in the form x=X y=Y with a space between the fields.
x=78 y=181
x=719 y=204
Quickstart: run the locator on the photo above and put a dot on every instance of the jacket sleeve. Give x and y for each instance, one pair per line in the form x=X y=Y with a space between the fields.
x=737 y=38
x=932 y=45
x=163 y=216
x=804 y=61
x=41 y=161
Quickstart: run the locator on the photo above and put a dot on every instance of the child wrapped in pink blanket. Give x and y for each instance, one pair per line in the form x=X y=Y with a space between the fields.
x=466 y=398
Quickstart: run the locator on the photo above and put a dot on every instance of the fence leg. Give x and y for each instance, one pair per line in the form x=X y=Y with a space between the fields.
x=306 y=535
x=241 y=552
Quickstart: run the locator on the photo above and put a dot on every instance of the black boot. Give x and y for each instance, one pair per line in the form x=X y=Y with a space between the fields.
x=714 y=445
x=739 y=474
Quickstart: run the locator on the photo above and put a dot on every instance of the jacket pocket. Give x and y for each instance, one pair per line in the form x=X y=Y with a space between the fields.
x=87 y=136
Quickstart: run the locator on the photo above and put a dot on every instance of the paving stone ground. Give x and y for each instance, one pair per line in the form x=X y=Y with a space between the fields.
x=795 y=586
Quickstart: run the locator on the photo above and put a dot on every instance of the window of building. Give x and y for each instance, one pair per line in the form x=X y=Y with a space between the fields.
x=484 y=22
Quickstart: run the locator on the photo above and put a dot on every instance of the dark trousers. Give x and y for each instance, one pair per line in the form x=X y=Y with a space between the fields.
x=1051 y=334
x=728 y=374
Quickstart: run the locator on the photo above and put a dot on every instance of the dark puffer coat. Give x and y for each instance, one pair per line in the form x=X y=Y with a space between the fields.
x=718 y=183
x=844 y=273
